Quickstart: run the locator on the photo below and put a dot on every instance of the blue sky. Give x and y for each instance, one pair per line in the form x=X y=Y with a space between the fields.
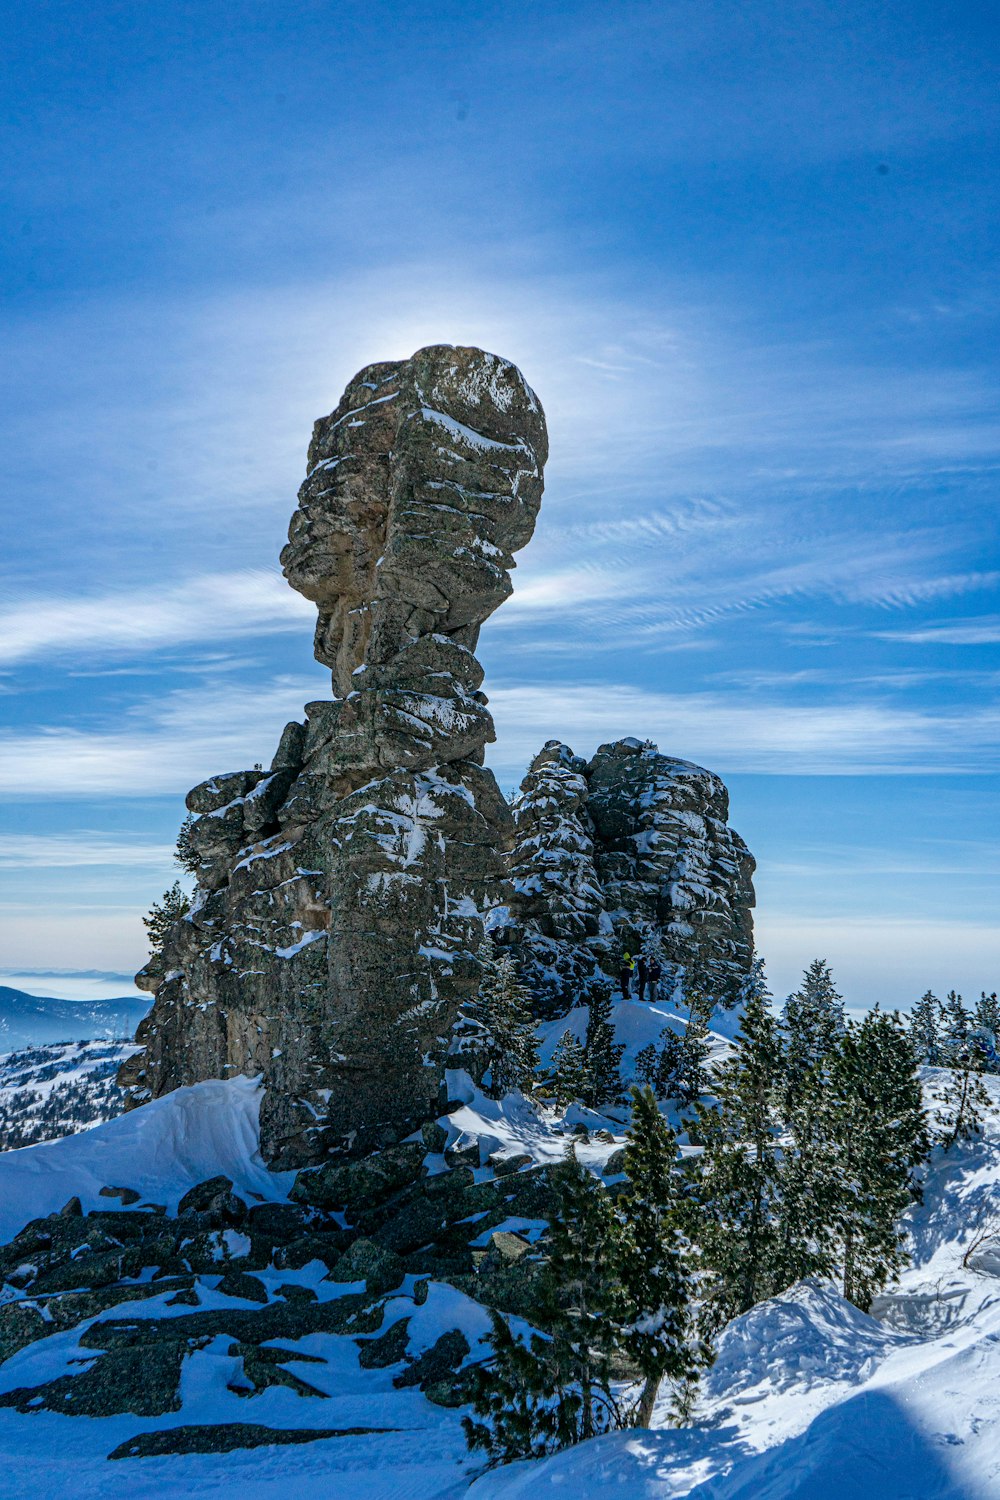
x=745 y=255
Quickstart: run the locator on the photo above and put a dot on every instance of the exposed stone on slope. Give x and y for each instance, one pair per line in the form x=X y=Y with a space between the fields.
x=343 y=892
x=632 y=846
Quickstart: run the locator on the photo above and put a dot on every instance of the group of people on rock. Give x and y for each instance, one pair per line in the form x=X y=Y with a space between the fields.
x=642 y=972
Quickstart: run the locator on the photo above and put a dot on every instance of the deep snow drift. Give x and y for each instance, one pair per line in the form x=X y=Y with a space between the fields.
x=809 y=1399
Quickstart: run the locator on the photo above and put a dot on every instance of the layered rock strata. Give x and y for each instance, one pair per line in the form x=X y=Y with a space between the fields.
x=342 y=893
x=631 y=847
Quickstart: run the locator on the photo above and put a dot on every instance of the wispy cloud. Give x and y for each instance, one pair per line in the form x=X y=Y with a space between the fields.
x=33 y=851
x=170 y=744
x=769 y=736
x=165 y=747
x=984 y=631
x=208 y=608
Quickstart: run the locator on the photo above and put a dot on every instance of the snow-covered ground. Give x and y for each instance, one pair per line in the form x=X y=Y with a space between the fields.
x=59 y=1088
x=809 y=1399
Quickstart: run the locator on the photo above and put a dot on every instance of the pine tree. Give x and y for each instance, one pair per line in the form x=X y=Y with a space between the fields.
x=986 y=1030
x=557 y=1389
x=964 y=1097
x=656 y=1270
x=603 y=1054
x=508 y=1029
x=812 y=1020
x=163 y=915
x=876 y=1135
x=185 y=853
x=806 y=1182
x=570 y=1077
x=736 y=1183
x=676 y=1070
x=692 y=1076
x=925 y=1033
x=956 y=1025
x=523 y=1410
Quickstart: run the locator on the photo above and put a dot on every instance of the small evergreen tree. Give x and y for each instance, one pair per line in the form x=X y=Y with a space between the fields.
x=807 y=1173
x=603 y=1054
x=875 y=1135
x=963 y=1098
x=676 y=1070
x=925 y=1031
x=556 y=1389
x=570 y=1077
x=656 y=1271
x=986 y=1030
x=185 y=854
x=508 y=1029
x=163 y=915
x=518 y=1397
x=736 y=1184
x=812 y=1021
x=956 y=1026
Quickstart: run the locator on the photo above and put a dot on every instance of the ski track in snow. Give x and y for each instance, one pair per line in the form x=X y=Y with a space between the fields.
x=809 y=1399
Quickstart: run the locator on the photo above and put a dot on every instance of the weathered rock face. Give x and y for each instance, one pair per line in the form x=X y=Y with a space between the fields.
x=631 y=846
x=342 y=894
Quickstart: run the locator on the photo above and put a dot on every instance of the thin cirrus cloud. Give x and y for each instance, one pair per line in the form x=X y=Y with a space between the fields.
x=763 y=736
x=168 y=745
x=79 y=849
x=984 y=631
x=165 y=746
x=210 y=607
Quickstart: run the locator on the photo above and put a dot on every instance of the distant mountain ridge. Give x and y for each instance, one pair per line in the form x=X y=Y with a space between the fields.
x=40 y=1020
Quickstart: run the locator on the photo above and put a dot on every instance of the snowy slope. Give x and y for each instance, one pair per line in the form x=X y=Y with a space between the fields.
x=56 y=1090
x=809 y=1399
x=160 y=1150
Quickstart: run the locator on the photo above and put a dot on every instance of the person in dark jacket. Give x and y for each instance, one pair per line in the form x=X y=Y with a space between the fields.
x=643 y=968
x=654 y=974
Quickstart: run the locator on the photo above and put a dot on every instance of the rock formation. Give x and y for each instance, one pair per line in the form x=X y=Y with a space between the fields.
x=341 y=894
x=632 y=845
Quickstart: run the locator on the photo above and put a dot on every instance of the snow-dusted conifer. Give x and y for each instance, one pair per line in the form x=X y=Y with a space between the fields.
x=987 y=1014
x=516 y=1396
x=736 y=1183
x=876 y=1135
x=812 y=1023
x=557 y=1389
x=661 y=1336
x=570 y=1077
x=603 y=1054
x=676 y=1069
x=583 y=1301
x=986 y=1030
x=956 y=1026
x=185 y=853
x=504 y=1012
x=812 y=1020
x=963 y=1097
x=163 y=915
x=925 y=1030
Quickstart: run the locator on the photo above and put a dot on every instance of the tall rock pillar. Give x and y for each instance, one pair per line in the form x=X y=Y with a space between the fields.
x=342 y=894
